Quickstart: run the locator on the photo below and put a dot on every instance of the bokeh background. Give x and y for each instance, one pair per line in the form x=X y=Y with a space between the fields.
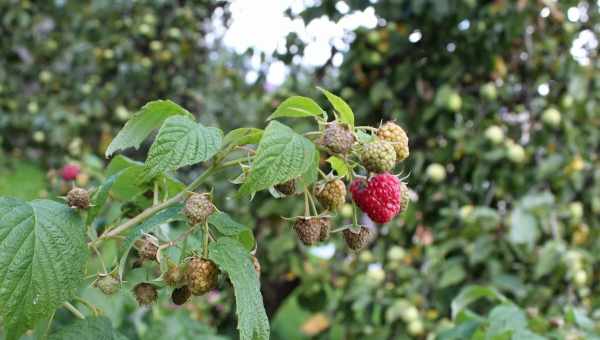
x=500 y=99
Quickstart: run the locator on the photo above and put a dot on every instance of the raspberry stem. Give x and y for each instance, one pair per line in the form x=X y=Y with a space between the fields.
x=205 y=243
x=156 y=208
x=73 y=310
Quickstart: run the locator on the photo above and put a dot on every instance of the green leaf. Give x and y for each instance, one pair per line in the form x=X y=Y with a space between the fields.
x=463 y=331
x=127 y=186
x=453 y=274
x=282 y=155
x=473 y=293
x=342 y=108
x=243 y=136
x=90 y=328
x=228 y=227
x=147 y=119
x=297 y=106
x=548 y=259
x=312 y=173
x=225 y=224
x=42 y=259
x=506 y=318
x=181 y=142
x=99 y=198
x=525 y=334
x=233 y=259
x=523 y=227
x=164 y=216
x=178 y=325
x=339 y=166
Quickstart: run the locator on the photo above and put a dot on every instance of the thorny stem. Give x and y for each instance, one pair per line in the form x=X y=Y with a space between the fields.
x=73 y=310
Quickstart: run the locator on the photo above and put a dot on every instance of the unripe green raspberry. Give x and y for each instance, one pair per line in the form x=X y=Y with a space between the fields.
x=394 y=134
x=338 y=138
x=107 y=284
x=436 y=172
x=78 y=198
x=494 y=134
x=202 y=275
x=331 y=194
x=552 y=117
x=378 y=156
x=197 y=208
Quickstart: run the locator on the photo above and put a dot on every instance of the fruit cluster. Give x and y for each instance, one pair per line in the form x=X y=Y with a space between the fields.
x=369 y=159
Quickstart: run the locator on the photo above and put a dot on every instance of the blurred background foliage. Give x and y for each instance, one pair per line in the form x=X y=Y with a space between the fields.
x=500 y=100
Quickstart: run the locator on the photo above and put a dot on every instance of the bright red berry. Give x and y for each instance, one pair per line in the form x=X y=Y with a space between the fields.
x=380 y=197
x=69 y=172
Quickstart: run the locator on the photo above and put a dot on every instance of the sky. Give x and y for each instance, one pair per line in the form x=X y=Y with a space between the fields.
x=264 y=27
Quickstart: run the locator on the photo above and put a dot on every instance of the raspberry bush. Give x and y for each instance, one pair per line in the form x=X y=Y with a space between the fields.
x=46 y=245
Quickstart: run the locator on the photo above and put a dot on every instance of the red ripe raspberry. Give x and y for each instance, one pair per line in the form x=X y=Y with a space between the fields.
x=380 y=197
x=69 y=172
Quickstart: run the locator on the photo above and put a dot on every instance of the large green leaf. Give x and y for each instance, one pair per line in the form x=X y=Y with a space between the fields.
x=90 y=328
x=470 y=294
x=282 y=155
x=147 y=119
x=181 y=142
x=232 y=258
x=297 y=106
x=342 y=108
x=42 y=258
